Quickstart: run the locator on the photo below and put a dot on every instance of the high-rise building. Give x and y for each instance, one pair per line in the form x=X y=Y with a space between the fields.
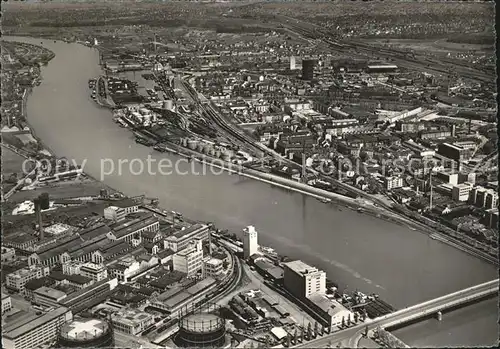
x=250 y=241
x=190 y=259
x=303 y=280
x=308 y=69
x=292 y=63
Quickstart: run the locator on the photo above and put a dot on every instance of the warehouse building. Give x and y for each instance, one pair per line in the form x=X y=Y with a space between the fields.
x=32 y=330
x=302 y=280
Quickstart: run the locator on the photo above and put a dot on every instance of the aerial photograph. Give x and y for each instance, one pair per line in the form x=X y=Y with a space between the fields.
x=249 y=174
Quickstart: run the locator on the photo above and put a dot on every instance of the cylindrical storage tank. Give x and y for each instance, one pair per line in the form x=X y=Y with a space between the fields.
x=192 y=144
x=201 y=328
x=86 y=333
x=226 y=156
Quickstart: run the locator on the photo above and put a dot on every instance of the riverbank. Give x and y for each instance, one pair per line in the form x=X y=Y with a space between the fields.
x=299 y=226
x=368 y=209
x=354 y=204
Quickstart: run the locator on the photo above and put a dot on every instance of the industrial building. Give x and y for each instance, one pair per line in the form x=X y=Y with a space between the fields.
x=302 y=280
x=89 y=296
x=114 y=213
x=460 y=192
x=456 y=151
x=189 y=260
x=181 y=239
x=32 y=330
x=131 y=321
x=308 y=69
x=329 y=309
x=96 y=272
x=132 y=229
x=79 y=247
x=213 y=268
x=19 y=278
x=250 y=241
x=48 y=297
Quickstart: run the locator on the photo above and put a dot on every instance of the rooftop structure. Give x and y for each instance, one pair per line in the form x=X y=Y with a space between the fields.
x=35 y=330
x=181 y=239
x=302 y=280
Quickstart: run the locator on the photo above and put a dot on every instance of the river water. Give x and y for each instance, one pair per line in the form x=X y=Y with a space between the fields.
x=357 y=251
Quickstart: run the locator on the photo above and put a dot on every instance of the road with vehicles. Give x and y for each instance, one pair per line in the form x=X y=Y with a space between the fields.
x=354 y=334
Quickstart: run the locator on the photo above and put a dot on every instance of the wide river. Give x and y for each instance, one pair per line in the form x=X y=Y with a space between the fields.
x=357 y=251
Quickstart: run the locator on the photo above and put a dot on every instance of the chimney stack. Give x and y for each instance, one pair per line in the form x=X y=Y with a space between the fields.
x=38 y=213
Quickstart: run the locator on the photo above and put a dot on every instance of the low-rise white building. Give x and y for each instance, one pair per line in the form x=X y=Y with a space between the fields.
x=180 y=239
x=213 y=268
x=8 y=254
x=114 y=213
x=393 y=182
x=19 y=278
x=131 y=321
x=72 y=267
x=94 y=271
x=48 y=296
x=460 y=192
x=6 y=303
x=329 y=309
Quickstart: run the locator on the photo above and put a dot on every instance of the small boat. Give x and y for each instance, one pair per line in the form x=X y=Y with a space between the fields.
x=326 y=200
x=360 y=210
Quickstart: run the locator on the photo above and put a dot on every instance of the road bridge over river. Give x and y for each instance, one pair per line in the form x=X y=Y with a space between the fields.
x=352 y=335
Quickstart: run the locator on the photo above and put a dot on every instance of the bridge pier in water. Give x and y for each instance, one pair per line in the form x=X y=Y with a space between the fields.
x=439 y=316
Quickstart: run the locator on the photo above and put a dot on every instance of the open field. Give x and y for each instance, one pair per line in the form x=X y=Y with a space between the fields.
x=11 y=162
x=440 y=45
x=247 y=14
x=61 y=190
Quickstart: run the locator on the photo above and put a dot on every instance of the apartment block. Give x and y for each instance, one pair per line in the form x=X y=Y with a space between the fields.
x=19 y=278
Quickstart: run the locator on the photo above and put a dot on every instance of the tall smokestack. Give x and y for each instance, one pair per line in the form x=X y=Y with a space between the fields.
x=38 y=212
x=210 y=243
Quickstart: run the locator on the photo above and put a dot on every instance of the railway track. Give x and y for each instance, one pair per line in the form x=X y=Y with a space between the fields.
x=397 y=56
x=237 y=136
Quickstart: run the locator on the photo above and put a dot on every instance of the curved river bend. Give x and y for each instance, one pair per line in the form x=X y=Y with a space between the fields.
x=357 y=251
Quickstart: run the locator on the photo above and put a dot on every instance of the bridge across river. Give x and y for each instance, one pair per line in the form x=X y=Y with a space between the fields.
x=353 y=335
